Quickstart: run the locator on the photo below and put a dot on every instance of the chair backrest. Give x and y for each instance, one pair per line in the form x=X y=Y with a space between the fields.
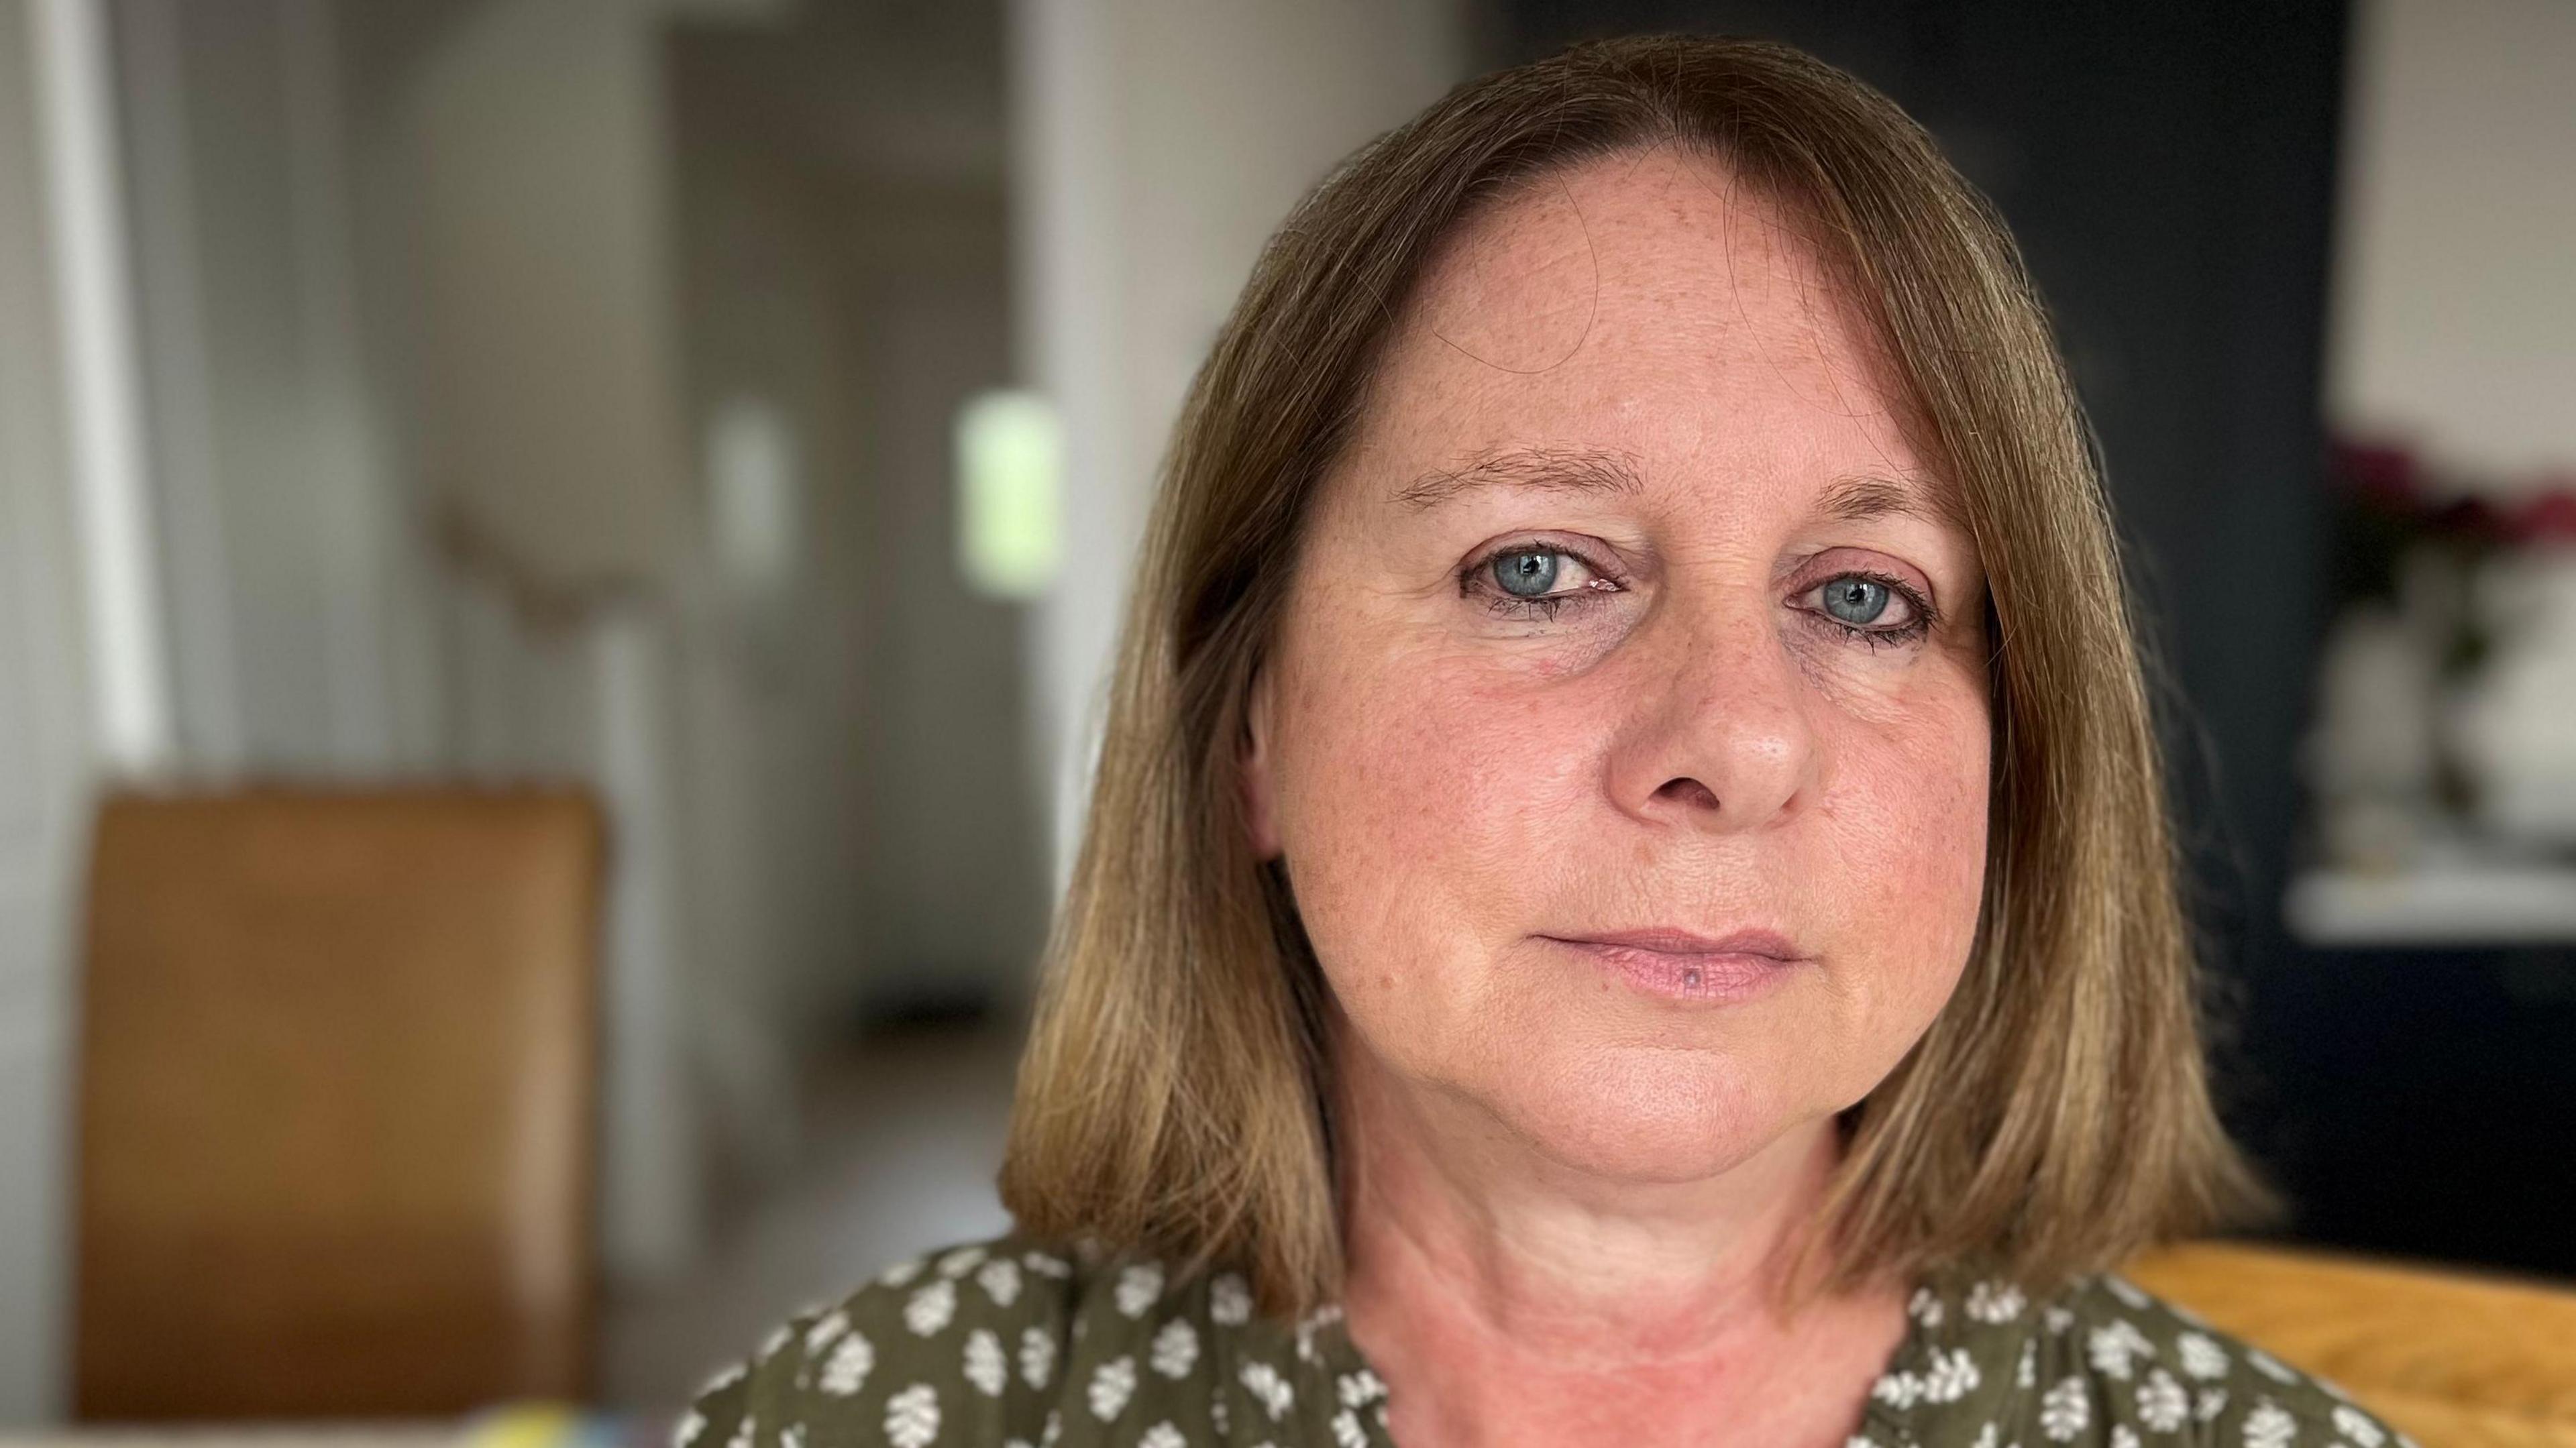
x=336 y=1098
x=2453 y=1359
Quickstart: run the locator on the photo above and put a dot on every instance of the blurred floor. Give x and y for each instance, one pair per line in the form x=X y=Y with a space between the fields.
x=904 y=1134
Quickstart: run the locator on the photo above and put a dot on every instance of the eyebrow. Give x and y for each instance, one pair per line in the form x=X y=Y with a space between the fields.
x=1596 y=470
x=1857 y=499
x=1542 y=469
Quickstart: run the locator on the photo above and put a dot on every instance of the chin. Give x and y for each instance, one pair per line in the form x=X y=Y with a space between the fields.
x=1646 y=1114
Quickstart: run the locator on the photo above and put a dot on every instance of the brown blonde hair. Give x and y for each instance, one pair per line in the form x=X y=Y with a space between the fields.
x=2055 y=1117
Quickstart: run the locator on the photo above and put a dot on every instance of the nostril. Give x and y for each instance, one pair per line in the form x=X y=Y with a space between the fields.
x=1688 y=791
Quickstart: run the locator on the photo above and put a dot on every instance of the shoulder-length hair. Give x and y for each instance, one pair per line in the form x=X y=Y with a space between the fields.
x=1174 y=1094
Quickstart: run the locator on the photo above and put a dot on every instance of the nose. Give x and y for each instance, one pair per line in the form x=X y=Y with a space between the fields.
x=1719 y=738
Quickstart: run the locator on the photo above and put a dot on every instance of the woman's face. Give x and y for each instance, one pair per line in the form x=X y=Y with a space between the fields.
x=1606 y=642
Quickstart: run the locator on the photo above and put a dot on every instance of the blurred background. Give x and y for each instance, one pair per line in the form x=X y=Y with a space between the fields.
x=556 y=560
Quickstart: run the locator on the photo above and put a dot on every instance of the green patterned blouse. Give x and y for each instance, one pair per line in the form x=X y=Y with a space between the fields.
x=1015 y=1343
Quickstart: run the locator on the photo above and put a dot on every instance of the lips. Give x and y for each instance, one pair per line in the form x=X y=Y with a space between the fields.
x=1668 y=941
x=1685 y=966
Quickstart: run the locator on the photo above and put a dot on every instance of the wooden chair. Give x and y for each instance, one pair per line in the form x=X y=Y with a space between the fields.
x=2454 y=1360
x=336 y=1089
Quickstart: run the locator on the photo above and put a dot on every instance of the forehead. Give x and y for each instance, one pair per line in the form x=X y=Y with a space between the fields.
x=1650 y=303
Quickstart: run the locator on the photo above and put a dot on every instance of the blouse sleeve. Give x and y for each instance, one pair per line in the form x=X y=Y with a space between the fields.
x=738 y=1406
x=954 y=1348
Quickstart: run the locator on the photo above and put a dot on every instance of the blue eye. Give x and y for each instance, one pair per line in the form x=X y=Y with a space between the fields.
x=1528 y=574
x=1529 y=580
x=1855 y=605
x=1855 y=600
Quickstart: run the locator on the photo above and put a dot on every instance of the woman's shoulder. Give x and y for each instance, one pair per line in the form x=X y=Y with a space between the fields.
x=2104 y=1361
x=943 y=1347
x=1015 y=1342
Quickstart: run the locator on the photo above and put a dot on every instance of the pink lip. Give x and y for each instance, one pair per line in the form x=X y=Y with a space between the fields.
x=1685 y=966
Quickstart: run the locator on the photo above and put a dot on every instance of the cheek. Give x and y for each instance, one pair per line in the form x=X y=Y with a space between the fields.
x=1411 y=797
x=1909 y=824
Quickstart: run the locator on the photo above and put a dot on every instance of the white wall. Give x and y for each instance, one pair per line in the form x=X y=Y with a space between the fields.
x=284 y=549
x=1159 y=142
x=44 y=765
x=548 y=365
x=2455 y=299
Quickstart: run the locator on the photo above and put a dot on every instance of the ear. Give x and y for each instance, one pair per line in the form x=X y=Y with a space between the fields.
x=1260 y=790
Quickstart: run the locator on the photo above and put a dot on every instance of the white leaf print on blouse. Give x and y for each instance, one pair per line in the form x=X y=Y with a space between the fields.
x=2201 y=1358
x=820 y=1335
x=2124 y=1436
x=1899 y=1390
x=1995 y=1302
x=930 y=1309
x=2356 y=1425
x=2065 y=1410
x=1138 y=1288
x=686 y=1431
x=1229 y=1300
x=960 y=1262
x=2114 y=1349
x=912 y=1417
x=985 y=1367
x=847 y=1370
x=1037 y=1357
x=1175 y=1348
x=2269 y=1427
x=2162 y=1404
x=1111 y=1385
x=1273 y=1392
x=1162 y=1435
x=1347 y=1431
x=1952 y=1376
x=1000 y=1280
x=1312 y=1323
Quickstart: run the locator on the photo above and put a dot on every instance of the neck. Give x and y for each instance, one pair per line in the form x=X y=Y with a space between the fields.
x=1506 y=1297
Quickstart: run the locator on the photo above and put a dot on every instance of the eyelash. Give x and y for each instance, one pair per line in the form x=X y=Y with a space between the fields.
x=1479 y=575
